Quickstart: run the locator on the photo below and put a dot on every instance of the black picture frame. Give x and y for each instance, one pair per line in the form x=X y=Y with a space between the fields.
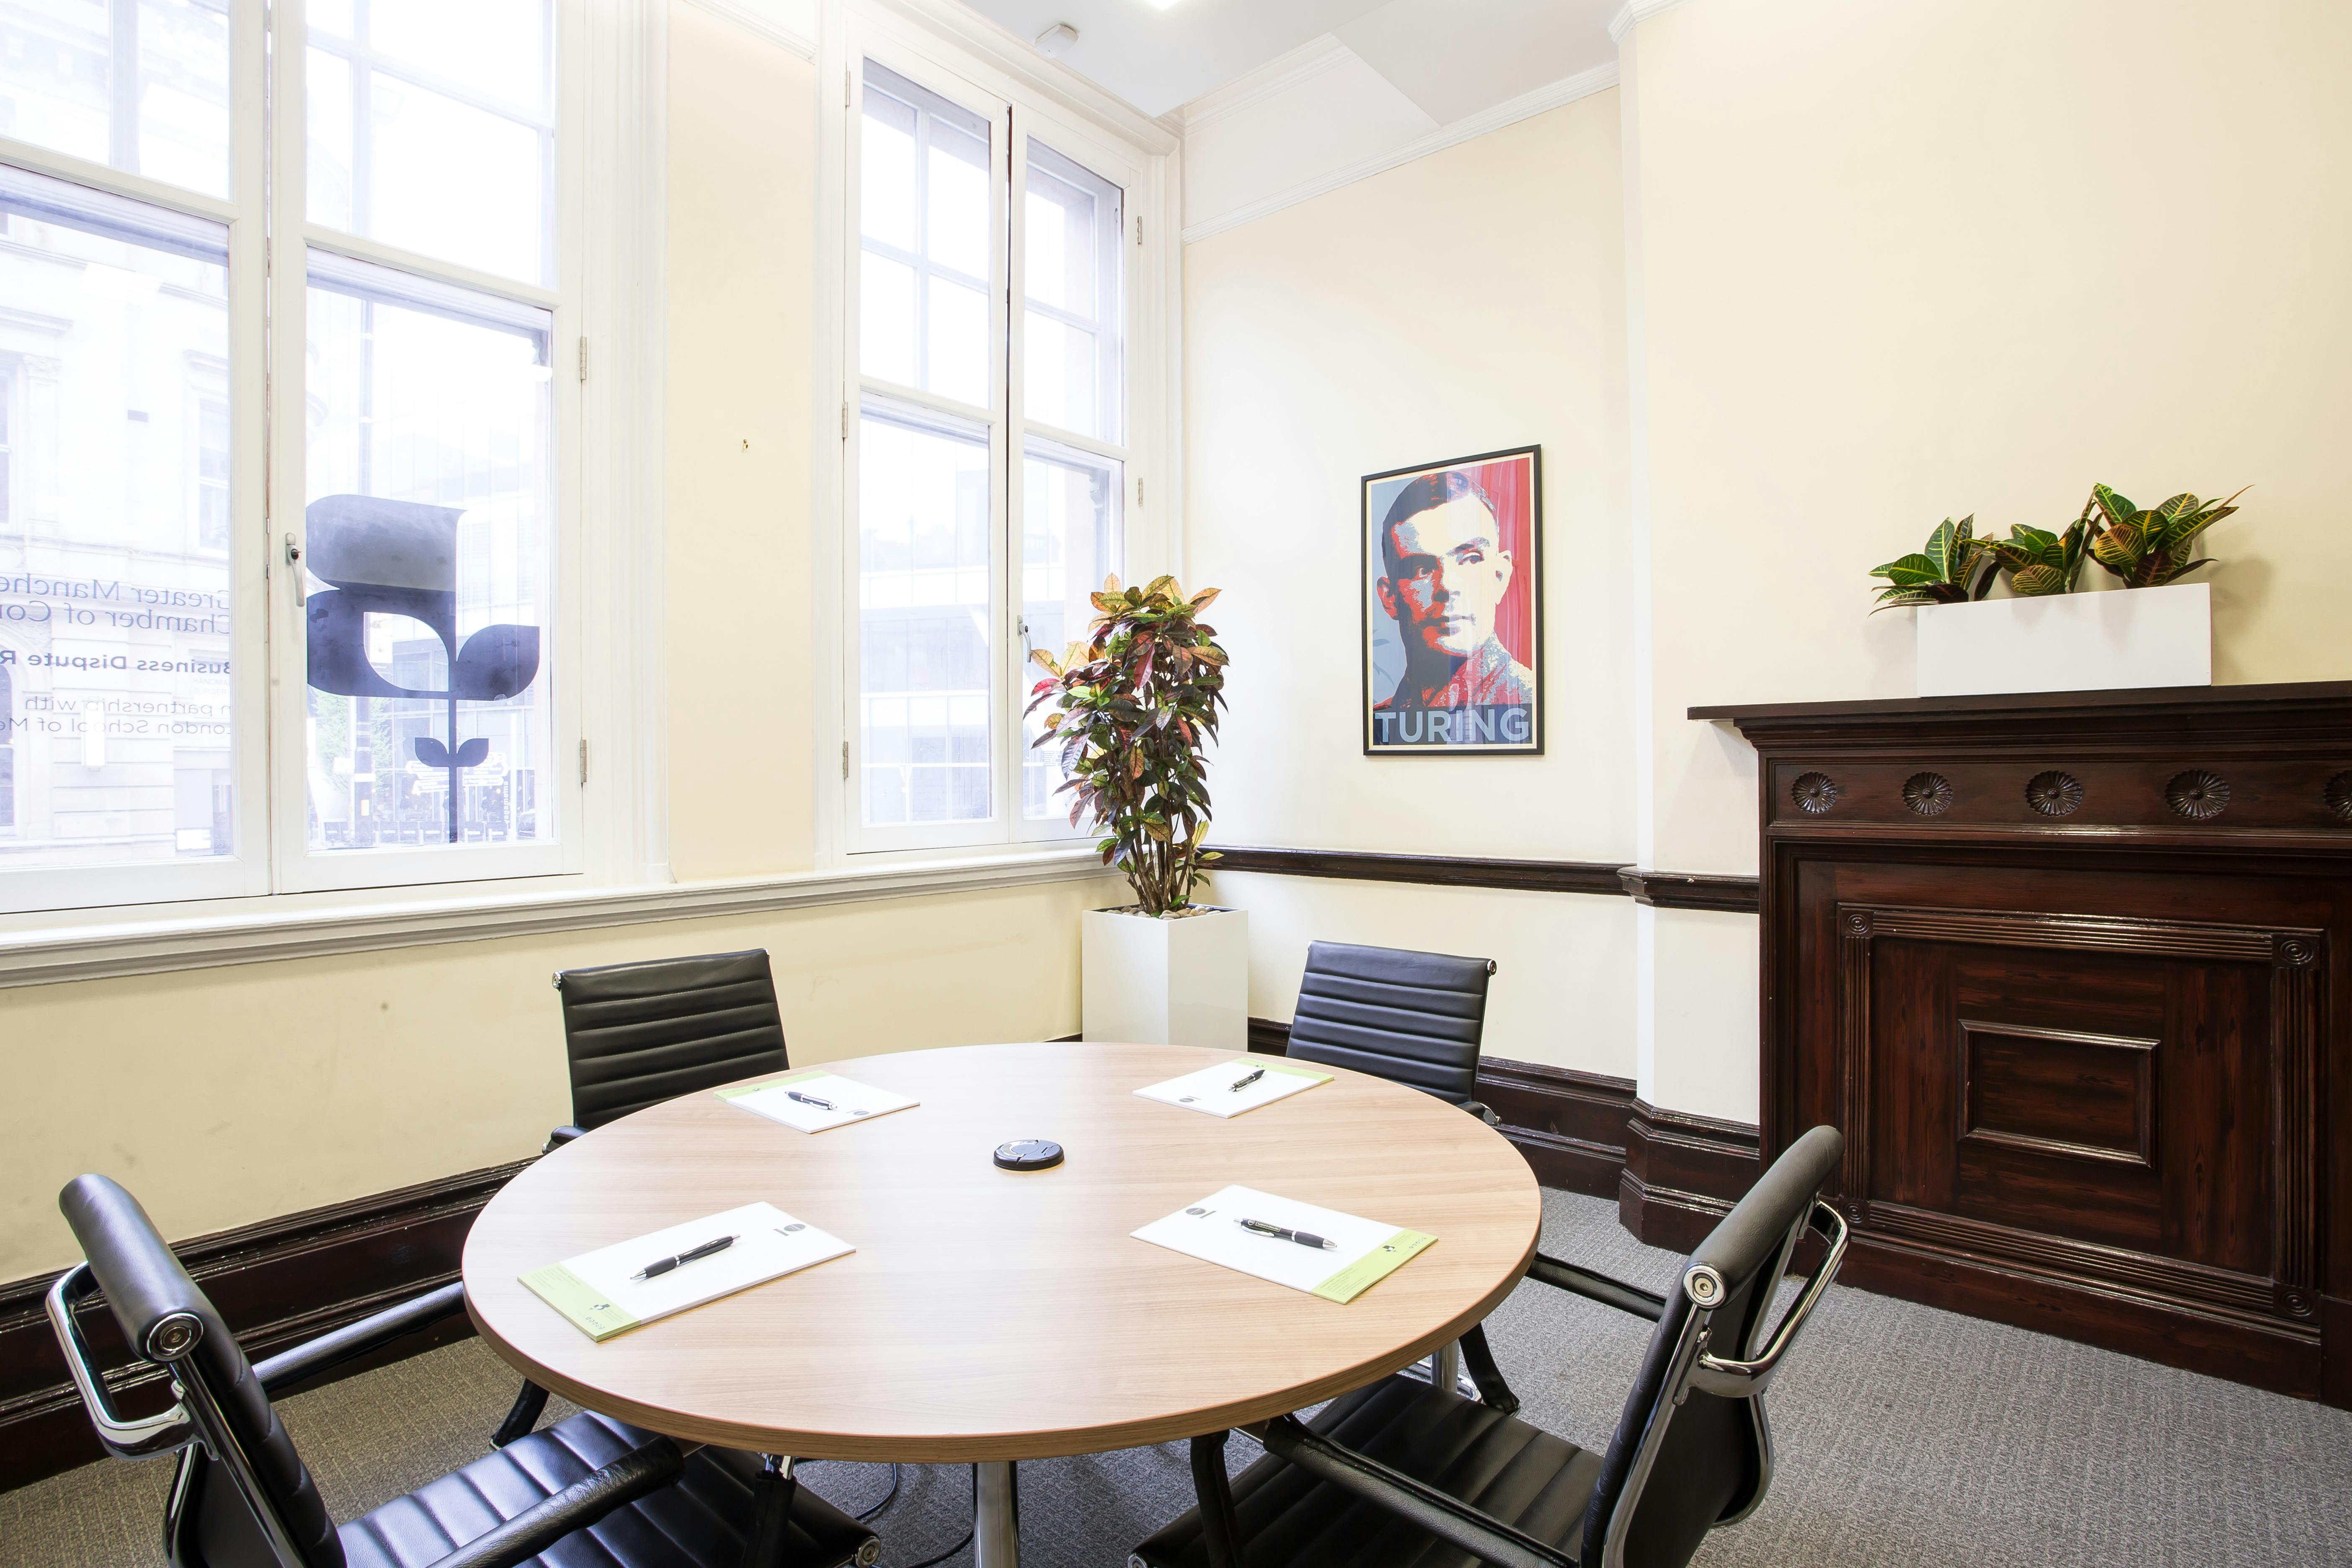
x=1510 y=728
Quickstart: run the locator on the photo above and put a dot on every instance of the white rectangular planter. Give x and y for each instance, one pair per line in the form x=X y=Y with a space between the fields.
x=2098 y=641
x=1167 y=983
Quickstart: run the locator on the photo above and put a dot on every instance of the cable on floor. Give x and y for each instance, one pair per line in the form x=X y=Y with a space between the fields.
x=871 y=1514
x=959 y=1546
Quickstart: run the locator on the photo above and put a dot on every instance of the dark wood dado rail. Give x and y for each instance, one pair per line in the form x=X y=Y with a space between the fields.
x=2074 y=973
x=1664 y=889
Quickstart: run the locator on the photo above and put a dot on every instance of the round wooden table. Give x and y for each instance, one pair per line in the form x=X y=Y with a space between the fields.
x=989 y=1315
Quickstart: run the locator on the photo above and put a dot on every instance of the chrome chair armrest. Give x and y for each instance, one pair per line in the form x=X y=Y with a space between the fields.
x=139 y=1437
x=1745 y=1379
x=338 y=1345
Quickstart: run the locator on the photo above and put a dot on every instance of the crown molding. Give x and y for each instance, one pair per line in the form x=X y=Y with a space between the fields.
x=1304 y=63
x=1018 y=59
x=154 y=946
x=1634 y=12
x=1527 y=106
x=759 y=25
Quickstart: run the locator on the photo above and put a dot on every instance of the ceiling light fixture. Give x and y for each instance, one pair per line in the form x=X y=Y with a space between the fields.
x=1160 y=5
x=1056 y=41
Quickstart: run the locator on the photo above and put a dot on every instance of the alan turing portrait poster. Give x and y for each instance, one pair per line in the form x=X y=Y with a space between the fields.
x=1453 y=608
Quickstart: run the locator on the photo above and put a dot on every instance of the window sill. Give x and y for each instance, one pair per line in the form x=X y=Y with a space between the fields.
x=48 y=955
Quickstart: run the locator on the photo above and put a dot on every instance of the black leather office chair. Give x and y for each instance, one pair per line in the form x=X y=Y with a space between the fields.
x=638 y=1034
x=1406 y=1474
x=243 y=1499
x=1412 y=1017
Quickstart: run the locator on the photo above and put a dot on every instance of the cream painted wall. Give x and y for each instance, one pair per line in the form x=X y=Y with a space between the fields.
x=743 y=123
x=1864 y=312
x=1466 y=301
x=225 y=1096
x=1562 y=991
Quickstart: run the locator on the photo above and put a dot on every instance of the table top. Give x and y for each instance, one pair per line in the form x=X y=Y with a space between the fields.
x=990 y=1314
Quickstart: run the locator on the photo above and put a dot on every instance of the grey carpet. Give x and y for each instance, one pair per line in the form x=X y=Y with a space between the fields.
x=1906 y=1437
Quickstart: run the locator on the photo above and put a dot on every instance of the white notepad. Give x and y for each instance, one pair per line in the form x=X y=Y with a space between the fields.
x=845 y=1099
x=594 y=1290
x=1368 y=1251
x=1211 y=1088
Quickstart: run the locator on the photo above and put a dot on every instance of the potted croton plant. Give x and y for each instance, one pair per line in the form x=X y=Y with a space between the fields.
x=1128 y=712
x=2047 y=636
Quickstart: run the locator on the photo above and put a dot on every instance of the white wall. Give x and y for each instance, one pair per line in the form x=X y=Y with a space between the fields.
x=1467 y=302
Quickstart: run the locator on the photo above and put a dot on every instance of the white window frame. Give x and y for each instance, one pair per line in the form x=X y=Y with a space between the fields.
x=608 y=544
x=946 y=49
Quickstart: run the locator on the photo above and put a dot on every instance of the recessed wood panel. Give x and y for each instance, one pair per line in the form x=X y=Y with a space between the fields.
x=2063 y=1093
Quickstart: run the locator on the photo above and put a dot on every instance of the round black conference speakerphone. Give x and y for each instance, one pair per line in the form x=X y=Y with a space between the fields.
x=1029 y=1155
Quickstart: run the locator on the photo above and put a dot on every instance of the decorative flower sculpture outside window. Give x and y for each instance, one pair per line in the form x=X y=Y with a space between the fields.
x=400 y=558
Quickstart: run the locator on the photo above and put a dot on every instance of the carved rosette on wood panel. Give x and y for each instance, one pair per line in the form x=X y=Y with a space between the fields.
x=2338 y=795
x=1927 y=795
x=2196 y=795
x=1814 y=793
x=2054 y=794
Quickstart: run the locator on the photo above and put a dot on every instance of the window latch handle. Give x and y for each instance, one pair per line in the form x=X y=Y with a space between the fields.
x=294 y=560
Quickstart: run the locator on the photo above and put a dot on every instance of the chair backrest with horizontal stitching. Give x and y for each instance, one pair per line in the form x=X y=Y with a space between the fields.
x=1412 y=1017
x=638 y=1034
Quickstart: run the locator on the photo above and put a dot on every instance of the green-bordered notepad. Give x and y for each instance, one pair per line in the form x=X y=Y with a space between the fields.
x=814 y=1099
x=596 y=1292
x=1364 y=1252
x=1231 y=1087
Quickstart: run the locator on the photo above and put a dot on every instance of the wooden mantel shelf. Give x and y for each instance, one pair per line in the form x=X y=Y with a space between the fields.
x=2274 y=698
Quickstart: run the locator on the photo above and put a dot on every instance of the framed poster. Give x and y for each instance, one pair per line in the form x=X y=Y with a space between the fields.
x=1452 y=590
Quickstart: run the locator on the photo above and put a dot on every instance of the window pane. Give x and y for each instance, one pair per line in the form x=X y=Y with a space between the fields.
x=1071 y=258
x=114 y=589
x=923 y=214
x=925 y=610
x=431 y=127
x=1069 y=542
x=141 y=85
x=429 y=537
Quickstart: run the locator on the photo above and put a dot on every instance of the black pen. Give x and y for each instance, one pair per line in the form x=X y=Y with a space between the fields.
x=663 y=1265
x=1304 y=1237
x=1246 y=1079
x=808 y=1100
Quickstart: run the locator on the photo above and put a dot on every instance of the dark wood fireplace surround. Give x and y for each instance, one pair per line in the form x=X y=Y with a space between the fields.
x=2071 y=972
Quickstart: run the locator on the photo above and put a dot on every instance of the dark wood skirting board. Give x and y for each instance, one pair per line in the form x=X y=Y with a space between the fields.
x=277 y=1284
x=1673 y=1175
x=1660 y=890
x=1683 y=1173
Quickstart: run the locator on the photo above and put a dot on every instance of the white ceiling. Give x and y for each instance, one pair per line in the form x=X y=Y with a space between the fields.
x=1454 y=57
x=1450 y=58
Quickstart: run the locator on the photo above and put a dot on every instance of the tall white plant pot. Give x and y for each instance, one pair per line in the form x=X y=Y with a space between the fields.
x=2099 y=641
x=1167 y=981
